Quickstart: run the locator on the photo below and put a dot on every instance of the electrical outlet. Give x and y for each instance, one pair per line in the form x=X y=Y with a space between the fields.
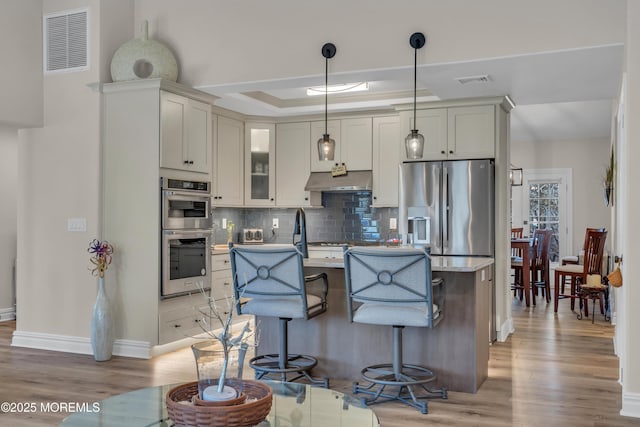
x=276 y=223
x=393 y=223
x=224 y=223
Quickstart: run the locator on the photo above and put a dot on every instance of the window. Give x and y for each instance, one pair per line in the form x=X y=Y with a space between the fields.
x=544 y=212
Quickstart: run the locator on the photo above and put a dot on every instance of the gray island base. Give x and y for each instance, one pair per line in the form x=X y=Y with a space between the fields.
x=457 y=349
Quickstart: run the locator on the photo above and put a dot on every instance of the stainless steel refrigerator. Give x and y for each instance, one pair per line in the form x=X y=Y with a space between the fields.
x=448 y=205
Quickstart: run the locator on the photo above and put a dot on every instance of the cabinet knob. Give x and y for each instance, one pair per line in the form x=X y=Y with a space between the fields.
x=450 y=151
x=190 y=162
x=375 y=197
x=306 y=198
x=186 y=162
x=271 y=199
x=443 y=152
x=177 y=325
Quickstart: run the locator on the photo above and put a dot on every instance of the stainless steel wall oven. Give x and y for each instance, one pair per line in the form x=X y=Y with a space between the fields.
x=186 y=237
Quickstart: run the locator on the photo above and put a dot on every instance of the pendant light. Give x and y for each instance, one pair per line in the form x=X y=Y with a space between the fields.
x=414 y=142
x=326 y=145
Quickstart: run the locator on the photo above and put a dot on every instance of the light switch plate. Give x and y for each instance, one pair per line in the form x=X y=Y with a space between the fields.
x=393 y=223
x=76 y=224
x=276 y=223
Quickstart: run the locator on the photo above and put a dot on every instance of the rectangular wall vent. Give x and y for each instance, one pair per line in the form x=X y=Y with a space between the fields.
x=474 y=79
x=66 y=41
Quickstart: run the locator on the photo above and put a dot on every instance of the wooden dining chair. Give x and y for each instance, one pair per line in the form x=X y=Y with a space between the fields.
x=575 y=259
x=516 y=259
x=516 y=233
x=540 y=263
x=578 y=273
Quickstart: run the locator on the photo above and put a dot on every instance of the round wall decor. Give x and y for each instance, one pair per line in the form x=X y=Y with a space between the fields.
x=141 y=58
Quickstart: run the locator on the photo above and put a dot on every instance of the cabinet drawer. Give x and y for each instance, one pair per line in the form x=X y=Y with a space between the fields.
x=326 y=252
x=221 y=285
x=178 y=324
x=220 y=262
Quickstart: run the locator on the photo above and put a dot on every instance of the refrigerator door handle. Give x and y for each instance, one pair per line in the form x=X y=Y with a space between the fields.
x=445 y=208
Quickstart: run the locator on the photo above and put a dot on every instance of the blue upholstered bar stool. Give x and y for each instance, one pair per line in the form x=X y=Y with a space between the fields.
x=269 y=281
x=394 y=287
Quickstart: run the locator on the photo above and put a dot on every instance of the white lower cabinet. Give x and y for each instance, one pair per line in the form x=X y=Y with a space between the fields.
x=180 y=317
x=222 y=286
x=326 y=252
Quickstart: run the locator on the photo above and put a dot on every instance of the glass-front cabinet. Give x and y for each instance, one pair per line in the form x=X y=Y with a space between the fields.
x=259 y=164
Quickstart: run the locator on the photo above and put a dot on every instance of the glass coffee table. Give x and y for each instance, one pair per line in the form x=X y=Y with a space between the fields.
x=293 y=405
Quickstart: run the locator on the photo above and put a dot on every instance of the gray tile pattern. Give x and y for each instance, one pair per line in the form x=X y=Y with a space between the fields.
x=345 y=217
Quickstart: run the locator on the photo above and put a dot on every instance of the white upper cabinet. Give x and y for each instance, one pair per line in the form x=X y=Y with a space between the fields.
x=292 y=164
x=386 y=158
x=228 y=170
x=465 y=132
x=432 y=124
x=353 y=144
x=471 y=132
x=356 y=140
x=259 y=166
x=185 y=133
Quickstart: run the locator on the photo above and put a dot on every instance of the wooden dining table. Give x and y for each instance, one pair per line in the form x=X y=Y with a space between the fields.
x=524 y=244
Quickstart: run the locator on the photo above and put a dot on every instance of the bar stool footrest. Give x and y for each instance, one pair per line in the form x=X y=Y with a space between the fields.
x=407 y=387
x=268 y=366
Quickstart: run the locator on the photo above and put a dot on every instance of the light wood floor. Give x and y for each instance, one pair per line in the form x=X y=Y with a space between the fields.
x=554 y=371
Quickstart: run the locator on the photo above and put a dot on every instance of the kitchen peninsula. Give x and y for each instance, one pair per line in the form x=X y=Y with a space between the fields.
x=457 y=349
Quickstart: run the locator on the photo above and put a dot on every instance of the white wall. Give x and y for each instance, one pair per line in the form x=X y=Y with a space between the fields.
x=21 y=70
x=587 y=161
x=630 y=226
x=59 y=178
x=8 y=225
x=256 y=40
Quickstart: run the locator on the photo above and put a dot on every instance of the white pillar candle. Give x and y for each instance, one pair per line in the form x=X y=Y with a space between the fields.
x=211 y=393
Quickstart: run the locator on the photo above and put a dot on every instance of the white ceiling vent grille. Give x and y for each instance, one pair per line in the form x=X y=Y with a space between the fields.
x=66 y=41
x=484 y=78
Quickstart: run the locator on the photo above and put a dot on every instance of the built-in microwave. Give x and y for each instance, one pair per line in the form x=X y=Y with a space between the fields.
x=186 y=261
x=186 y=204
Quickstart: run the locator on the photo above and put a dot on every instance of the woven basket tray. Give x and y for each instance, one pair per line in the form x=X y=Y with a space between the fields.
x=253 y=411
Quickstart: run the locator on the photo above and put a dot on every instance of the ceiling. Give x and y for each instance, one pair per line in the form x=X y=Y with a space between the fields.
x=558 y=95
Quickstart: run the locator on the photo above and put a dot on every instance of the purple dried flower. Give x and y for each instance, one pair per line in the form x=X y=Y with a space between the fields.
x=101 y=257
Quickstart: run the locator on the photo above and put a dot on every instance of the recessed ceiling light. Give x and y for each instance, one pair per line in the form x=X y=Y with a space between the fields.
x=341 y=88
x=484 y=78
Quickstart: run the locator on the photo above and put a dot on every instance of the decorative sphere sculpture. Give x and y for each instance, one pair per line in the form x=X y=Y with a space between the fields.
x=141 y=58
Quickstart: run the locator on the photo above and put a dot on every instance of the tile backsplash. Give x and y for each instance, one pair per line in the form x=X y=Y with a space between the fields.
x=345 y=217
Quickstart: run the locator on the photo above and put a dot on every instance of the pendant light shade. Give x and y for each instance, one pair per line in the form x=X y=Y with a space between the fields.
x=414 y=142
x=326 y=147
x=326 y=144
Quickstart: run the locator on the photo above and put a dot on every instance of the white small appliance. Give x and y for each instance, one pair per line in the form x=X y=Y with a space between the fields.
x=252 y=235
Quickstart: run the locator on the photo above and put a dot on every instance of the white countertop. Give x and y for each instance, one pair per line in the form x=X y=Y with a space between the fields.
x=438 y=263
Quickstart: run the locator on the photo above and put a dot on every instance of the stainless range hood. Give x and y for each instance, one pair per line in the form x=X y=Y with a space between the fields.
x=352 y=181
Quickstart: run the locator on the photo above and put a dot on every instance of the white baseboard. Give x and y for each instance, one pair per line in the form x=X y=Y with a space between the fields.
x=79 y=345
x=7 y=314
x=506 y=329
x=630 y=405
